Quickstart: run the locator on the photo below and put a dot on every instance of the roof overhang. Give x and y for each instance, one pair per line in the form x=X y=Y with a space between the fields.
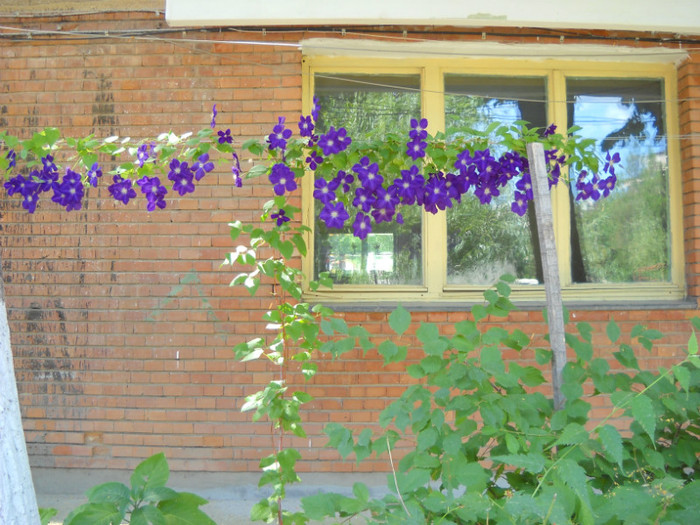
x=657 y=16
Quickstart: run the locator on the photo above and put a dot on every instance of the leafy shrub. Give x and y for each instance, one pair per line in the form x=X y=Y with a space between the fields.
x=148 y=502
x=490 y=448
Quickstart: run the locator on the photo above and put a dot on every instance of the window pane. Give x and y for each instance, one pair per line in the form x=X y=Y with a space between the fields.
x=369 y=106
x=485 y=241
x=623 y=237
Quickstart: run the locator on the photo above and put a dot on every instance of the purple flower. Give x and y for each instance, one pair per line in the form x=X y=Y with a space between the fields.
x=362 y=226
x=142 y=154
x=313 y=160
x=550 y=130
x=364 y=199
x=20 y=184
x=202 y=166
x=93 y=174
x=464 y=160
x=409 y=186
x=12 y=157
x=324 y=191
x=280 y=216
x=415 y=148
x=334 y=141
x=306 y=126
x=345 y=179
x=30 y=201
x=121 y=190
x=383 y=214
x=69 y=192
x=279 y=136
x=48 y=175
x=386 y=199
x=456 y=186
x=282 y=178
x=519 y=204
x=418 y=129
x=213 y=116
x=512 y=164
x=225 y=137
x=368 y=174
x=610 y=162
x=182 y=177
x=525 y=185
x=486 y=191
x=334 y=215
x=607 y=185
x=236 y=170
x=153 y=190
x=435 y=194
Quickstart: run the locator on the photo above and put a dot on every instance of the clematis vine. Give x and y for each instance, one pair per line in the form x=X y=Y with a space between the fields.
x=355 y=185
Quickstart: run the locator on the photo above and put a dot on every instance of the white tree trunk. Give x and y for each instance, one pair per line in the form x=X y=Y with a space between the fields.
x=17 y=498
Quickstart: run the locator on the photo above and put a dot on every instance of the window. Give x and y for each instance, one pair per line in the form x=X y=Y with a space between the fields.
x=627 y=246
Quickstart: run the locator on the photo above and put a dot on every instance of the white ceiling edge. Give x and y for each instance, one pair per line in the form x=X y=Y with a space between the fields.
x=673 y=16
x=441 y=49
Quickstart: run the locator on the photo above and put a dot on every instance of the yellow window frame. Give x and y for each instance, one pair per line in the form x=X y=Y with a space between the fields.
x=555 y=71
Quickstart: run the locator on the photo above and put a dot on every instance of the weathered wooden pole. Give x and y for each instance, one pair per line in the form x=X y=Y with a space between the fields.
x=17 y=497
x=550 y=267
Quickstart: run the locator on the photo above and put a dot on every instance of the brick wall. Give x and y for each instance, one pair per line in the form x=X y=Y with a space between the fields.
x=122 y=321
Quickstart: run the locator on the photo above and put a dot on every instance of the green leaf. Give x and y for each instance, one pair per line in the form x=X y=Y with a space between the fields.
x=389 y=350
x=153 y=472
x=184 y=510
x=426 y=438
x=612 y=443
x=682 y=376
x=399 y=320
x=413 y=479
x=531 y=462
x=643 y=412
x=492 y=361
x=45 y=515
x=479 y=312
x=542 y=356
x=261 y=511
x=361 y=491
x=315 y=507
x=613 y=331
x=112 y=492
x=572 y=434
x=95 y=514
x=693 y=344
x=148 y=515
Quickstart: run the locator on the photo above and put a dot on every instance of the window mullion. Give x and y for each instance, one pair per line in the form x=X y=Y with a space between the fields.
x=561 y=206
x=434 y=226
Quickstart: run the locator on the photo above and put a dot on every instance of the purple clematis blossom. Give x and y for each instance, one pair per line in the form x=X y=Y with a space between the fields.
x=279 y=136
x=519 y=205
x=418 y=129
x=153 y=190
x=121 y=190
x=324 y=191
x=362 y=226
x=225 y=137
x=213 y=116
x=334 y=215
x=306 y=126
x=282 y=178
x=280 y=217
x=202 y=166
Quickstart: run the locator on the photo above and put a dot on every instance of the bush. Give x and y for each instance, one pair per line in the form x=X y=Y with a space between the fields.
x=490 y=448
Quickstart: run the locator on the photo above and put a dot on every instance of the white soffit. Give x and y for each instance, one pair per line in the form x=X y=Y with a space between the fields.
x=379 y=49
x=674 y=16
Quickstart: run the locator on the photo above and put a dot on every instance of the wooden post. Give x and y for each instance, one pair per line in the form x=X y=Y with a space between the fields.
x=550 y=267
x=17 y=497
